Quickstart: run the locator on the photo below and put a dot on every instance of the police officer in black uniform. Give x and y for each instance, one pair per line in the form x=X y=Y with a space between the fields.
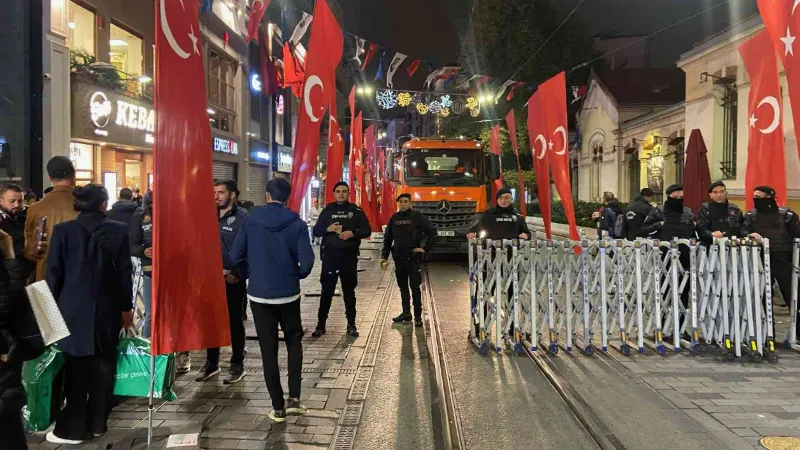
x=341 y=225
x=502 y=221
x=781 y=226
x=636 y=213
x=718 y=218
x=231 y=219
x=403 y=238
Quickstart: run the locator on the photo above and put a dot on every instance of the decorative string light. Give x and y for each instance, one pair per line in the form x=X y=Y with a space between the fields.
x=386 y=99
x=475 y=112
x=404 y=99
x=434 y=107
x=444 y=112
x=472 y=103
x=446 y=101
x=422 y=108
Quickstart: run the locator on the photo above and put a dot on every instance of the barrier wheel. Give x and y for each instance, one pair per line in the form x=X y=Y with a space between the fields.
x=484 y=348
x=625 y=349
x=518 y=348
x=589 y=350
x=787 y=345
x=554 y=349
x=661 y=350
x=756 y=357
x=772 y=357
x=696 y=348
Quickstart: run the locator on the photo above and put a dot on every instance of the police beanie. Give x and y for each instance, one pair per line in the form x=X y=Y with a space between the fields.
x=340 y=183
x=646 y=192
x=714 y=185
x=766 y=189
x=673 y=188
x=406 y=195
x=502 y=191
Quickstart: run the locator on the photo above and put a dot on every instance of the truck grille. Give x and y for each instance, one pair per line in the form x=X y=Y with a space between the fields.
x=461 y=214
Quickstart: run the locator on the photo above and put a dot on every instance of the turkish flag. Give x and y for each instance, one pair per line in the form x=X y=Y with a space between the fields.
x=387 y=192
x=333 y=172
x=293 y=74
x=351 y=173
x=257 y=10
x=356 y=171
x=372 y=166
x=494 y=147
x=511 y=123
x=538 y=143
x=365 y=172
x=766 y=163
x=189 y=306
x=554 y=101
x=783 y=23
x=319 y=90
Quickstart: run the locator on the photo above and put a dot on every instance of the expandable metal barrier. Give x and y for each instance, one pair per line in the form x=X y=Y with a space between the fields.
x=566 y=293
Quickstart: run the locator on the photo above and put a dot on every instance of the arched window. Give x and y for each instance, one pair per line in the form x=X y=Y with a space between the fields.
x=594 y=177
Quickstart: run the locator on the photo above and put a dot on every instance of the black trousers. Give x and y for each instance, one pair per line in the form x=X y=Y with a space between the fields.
x=89 y=388
x=236 y=295
x=409 y=274
x=267 y=317
x=338 y=266
x=12 y=432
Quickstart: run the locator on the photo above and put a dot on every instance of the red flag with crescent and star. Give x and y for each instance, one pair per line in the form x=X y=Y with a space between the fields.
x=766 y=162
x=357 y=169
x=511 y=123
x=494 y=147
x=319 y=90
x=333 y=171
x=782 y=20
x=189 y=310
x=350 y=172
x=553 y=93
x=538 y=143
x=257 y=10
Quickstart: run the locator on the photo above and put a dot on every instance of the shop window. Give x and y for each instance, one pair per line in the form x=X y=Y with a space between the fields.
x=81 y=29
x=133 y=174
x=126 y=51
x=221 y=91
x=634 y=174
x=81 y=157
x=730 y=106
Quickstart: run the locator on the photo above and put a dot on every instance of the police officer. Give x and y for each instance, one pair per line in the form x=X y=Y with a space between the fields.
x=636 y=213
x=502 y=221
x=341 y=225
x=231 y=219
x=781 y=226
x=718 y=218
x=405 y=230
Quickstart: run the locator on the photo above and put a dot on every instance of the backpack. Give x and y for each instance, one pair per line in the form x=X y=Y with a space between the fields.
x=618 y=231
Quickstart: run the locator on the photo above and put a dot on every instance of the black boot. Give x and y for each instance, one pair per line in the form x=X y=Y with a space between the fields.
x=352 y=330
x=403 y=317
x=319 y=331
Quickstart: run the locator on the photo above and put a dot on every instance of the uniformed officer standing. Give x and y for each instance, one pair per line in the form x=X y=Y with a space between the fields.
x=718 y=218
x=636 y=213
x=781 y=226
x=405 y=230
x=341 y=225
x=231 y=219
x=502 y=221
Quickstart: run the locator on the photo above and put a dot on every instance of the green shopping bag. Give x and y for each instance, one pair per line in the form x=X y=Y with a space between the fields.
x=133 y=370
x=37 y=379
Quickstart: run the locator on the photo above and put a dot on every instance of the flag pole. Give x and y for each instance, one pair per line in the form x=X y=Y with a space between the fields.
x=150 y=400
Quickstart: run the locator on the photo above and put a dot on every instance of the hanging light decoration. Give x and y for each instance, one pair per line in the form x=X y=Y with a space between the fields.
x=404 y=99
x=434 y=107
x=475 y=112
x=472 y=103
x=458 y=106
x=444 y=112
x=446 y=101
x=422 y=108
x=386 y=99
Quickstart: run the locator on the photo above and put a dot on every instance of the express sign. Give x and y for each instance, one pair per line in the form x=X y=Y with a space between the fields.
x=109 y=116
x=226 y=146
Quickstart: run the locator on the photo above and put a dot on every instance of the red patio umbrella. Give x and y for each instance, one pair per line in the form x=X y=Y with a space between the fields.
x=695 y=172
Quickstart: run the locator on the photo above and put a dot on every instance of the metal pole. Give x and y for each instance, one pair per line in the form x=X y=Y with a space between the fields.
x=603 y=298
x=150 y=399
x=792 y=337
x=639 y=320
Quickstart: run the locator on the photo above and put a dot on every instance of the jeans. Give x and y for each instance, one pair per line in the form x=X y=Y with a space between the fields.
x=89 y=386
x=147 y=286
x=267 y=317
x=235 y=294
x=408 y=272
x=337 y=266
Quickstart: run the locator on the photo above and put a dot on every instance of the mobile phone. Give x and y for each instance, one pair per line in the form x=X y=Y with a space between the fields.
x=40 y=229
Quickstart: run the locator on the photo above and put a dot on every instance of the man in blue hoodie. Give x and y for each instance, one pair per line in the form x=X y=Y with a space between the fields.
x=274 y=243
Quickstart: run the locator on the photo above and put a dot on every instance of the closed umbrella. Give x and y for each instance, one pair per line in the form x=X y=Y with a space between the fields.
x=696 y=172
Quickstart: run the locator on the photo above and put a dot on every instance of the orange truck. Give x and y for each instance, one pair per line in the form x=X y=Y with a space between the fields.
x=449 y=181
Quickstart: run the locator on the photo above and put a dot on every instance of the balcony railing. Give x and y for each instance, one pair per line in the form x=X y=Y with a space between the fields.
x=103 y=73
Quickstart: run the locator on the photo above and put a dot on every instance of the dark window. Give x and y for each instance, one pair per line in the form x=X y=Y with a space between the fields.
x=221 y=91
x=679 y=158
x=634 y=173
x=730 y=103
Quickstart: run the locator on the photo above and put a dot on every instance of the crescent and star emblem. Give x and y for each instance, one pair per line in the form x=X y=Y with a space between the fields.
x=563 y=133
x=312 y=81
x=776 y=113
x=171 y=39
x=544 y=146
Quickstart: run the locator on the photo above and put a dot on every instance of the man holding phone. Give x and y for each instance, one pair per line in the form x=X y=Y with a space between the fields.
x=57 y=207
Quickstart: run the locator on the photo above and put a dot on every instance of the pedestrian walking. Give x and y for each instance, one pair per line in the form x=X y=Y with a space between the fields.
x=606 y=218
x=231 y=219
x=403 y=238
x=502 y=221
x=124 y=209
x=718 y=218
x=341 y=225
x=313 y=216
x=89 y=272
x=57 y=207
x=781 y=226
x=636 y=213
x=273 y=243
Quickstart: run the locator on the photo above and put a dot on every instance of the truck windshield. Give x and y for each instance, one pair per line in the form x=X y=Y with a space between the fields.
x=444 y=167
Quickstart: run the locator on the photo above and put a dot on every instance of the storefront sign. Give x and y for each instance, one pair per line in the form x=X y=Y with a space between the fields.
x=222 y=145
x=101 y=114
x=259 y=152
x=255 y=82
x=283 y=159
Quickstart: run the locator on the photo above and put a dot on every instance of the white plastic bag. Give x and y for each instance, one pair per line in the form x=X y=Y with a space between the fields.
x=48 y=316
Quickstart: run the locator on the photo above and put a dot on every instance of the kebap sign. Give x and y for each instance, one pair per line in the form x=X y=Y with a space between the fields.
x=101 y=114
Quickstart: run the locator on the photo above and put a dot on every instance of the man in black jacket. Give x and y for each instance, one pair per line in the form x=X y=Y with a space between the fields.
x=403 y=239
x=123 y=210
x=636 y=213
x=502 y=221
x=781 y=226
x=341 y=225
x=718 y=218
x=607 y=218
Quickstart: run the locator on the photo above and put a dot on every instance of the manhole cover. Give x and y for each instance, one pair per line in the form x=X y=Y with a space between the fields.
x=780 y=443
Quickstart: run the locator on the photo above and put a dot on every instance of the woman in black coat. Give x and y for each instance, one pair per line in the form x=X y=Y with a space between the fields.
x=89 y=271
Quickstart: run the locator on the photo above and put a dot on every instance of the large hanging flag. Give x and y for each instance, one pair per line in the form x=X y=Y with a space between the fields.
x=412 y=68
x=356 y=171
x=257 y=10
x=369 y=203
x=293 y=73
x=511 y=123
x=351 y=164
x=494 y=147
x=393 y=66
x=538 y=143
x=302 y=27
x=370 y=53
x=554 y=101
x=188 y=303
x=324 y=53
x=333 y=171
x=387 y=192
x=782 y=21
x=766 y=164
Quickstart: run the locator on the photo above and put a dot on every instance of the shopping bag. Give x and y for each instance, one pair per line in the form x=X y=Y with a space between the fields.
x=48 y=316
x=37 y=379
x=133 y=369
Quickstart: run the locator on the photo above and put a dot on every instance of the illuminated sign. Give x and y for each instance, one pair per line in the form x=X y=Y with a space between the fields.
x=226 y=146
x=255 y=82
x=284 y=162
x=279 y=105
x=100 y=109
x=112 y=117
